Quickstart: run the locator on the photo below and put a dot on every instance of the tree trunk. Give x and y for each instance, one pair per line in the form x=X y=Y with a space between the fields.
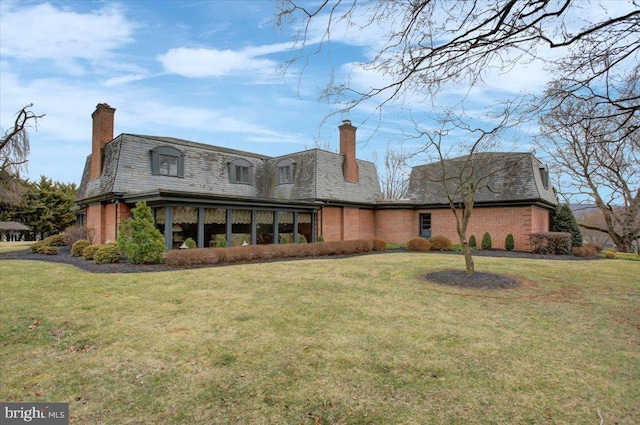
x=468 y=259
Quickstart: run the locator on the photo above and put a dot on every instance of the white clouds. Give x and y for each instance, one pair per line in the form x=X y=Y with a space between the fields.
x=203 y=62
x=44 y=32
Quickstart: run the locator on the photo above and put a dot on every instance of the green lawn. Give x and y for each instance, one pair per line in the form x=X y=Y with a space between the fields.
x=362 y=340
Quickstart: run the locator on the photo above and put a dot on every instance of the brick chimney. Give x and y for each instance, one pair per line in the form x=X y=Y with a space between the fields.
x=102 y=134
x=348 y=150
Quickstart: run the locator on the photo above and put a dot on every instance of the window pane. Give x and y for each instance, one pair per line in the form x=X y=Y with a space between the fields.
x=242 y=174
x=285 y=174
x=168 y=165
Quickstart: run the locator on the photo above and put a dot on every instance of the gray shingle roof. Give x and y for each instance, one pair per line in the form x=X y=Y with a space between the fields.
x=509 y=177
x=318 y=174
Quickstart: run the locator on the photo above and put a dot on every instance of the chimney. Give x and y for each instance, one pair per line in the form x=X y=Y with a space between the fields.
x=102 y=134
x=348 y=150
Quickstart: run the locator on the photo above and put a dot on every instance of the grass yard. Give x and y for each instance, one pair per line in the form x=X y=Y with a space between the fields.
x=14 y=246
x=362 y=340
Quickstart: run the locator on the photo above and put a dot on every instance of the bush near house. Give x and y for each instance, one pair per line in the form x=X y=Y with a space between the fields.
x=509 y=242
x=610 y=254
x=108 y=254
x=472 y=242
x=50 y=241
x=440 y=243
x=49 y=250
x=138 y=238
x=486 y=241
x=79 y=246
x=379 y=244
x=585 y=251
x=235 y=254
x=89 y=252
x=551 y=243
x=190 y=243
x=418 y=245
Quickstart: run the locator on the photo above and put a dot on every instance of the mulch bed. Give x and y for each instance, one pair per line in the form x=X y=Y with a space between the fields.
x=456 y=278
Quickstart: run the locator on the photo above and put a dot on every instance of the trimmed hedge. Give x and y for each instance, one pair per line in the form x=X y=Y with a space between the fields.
x=551 y=243
x=419 y=245
x=235 y=254
x=509 y=242
x=89 y=252
x=379 y=244
x=486 y=241
x=440 y=243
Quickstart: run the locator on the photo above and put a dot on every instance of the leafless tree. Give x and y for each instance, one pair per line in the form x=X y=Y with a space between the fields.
x=431 y=43
x=394 y=171
x=479 y=169
x=601 y=161
x=14 y=150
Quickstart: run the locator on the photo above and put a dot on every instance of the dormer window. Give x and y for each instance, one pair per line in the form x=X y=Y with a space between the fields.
x=240 y=171
x=167 y=161
x=285 y=169
x=544 y=175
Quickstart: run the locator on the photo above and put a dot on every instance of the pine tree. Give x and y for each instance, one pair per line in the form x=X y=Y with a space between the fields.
x=563 y=220
x=138 y=238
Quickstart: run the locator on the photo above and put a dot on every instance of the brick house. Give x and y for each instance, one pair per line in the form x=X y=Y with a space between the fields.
x=206 y=192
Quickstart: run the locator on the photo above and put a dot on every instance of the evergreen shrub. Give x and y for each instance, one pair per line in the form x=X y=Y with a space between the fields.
x=610 y=254
x=221 y=242
x=190 y=243
x=472 y=242
x=79 y=246
x=320 y=238
x=139 y=239
x=49 y=250
x=509 y=242
x=89 y=252
x=486 y=241
x=108 y=254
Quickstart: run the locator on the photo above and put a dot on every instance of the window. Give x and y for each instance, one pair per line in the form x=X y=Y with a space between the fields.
x=167 y=161
x=284 y=171
x=240 y=171
x=544 y=175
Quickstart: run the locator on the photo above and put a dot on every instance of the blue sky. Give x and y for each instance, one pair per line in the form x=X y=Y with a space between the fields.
x=205 y=71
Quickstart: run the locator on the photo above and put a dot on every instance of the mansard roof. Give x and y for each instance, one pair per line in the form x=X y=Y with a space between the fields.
x=318 y=174
x=509 y=178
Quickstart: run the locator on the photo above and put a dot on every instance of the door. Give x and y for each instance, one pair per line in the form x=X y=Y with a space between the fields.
x=425 y=225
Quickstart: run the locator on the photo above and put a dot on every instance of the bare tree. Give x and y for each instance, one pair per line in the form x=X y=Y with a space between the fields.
x=479 y=171
x=394 y=172
x=431 y=43
x=600 y=158
x=14 y=149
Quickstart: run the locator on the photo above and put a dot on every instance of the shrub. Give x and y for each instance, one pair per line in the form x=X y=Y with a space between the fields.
x=509 y=243
x=191 y=257
x=456 y=248
x=38 y=247
x=89 y=252
x=138 y=238
x=78 y=246
x=221 y=242
x=486 y=241
x=555 y=243
x=563 y=220
x=302 y=239
x=585 y=251
x=283 y=239
x=320 y=238
x=49 y=250
x=472 y=242
x=595 y=246
x=72 y=234
x=190 y=243
x=108 y=254
x=418 y=245
x=440 y=243
x=610 y=254
x=379 y=244
x=55 y=240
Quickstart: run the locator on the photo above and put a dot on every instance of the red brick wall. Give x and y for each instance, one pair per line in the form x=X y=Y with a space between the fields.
x=399 y=226
x=351 y=224
x=330 y=223
x=366 y=224
x=104 y=221
x=348 y=149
